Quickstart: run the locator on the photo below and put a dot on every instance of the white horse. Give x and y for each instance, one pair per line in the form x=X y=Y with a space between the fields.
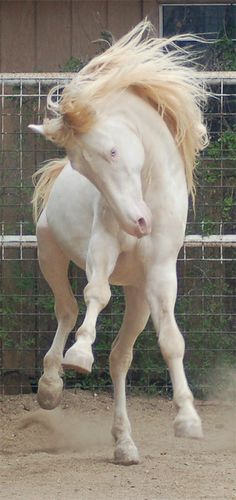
x=131 y=124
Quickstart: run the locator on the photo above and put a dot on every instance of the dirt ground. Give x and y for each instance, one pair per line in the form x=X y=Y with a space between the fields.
x=66 y=454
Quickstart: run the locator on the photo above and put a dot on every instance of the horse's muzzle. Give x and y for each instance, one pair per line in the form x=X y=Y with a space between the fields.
x=143 y=225
x=143 y=228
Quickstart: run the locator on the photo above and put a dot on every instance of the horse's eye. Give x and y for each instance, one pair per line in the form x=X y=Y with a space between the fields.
x=113 y=153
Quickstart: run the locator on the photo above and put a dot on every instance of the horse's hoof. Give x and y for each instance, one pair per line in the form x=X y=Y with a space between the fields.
x=49 y=393
x=78 y=360
x=126 y=454
x=190 y=428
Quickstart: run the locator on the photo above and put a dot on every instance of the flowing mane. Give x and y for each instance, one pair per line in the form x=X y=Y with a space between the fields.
x=155 y=69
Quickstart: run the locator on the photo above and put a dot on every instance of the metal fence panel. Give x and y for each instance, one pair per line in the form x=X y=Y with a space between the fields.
x=206 y=266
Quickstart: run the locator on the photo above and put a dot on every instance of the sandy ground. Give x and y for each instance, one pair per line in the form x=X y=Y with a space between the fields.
x=67 y=453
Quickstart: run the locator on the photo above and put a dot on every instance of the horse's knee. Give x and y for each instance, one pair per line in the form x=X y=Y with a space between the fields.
x=171 y=341
x=99 y=292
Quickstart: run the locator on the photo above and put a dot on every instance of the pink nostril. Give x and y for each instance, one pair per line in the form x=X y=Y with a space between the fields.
x=142 y=225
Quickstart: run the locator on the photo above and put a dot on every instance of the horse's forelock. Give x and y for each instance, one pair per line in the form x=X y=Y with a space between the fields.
x=55 y=131
x=69 y=124
x=79 y=120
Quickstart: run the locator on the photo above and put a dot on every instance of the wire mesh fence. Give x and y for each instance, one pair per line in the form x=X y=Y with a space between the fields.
x=205 y=307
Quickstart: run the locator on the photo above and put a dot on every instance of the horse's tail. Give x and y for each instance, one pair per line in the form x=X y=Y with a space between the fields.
x=43 y=181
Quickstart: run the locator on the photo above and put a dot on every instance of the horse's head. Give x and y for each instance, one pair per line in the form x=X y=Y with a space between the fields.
x=111 y=156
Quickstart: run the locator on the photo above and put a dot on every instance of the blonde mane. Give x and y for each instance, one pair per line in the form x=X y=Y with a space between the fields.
x=155 y=69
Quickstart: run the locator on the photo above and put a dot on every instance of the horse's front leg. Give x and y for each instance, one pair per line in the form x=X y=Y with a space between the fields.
x=135 y=319
x=161 y=294
x=102 y=256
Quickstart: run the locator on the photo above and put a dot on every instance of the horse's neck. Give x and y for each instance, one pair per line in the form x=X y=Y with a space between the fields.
x=162 y=158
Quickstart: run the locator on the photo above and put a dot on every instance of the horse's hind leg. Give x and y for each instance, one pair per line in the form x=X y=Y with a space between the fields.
x=54 y=266
x=135 y=319
x=161 y=295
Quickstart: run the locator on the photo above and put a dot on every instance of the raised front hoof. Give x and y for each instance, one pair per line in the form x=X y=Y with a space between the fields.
x=188 y=428
x=49 y=393
x=78 y=360
x=126 y=454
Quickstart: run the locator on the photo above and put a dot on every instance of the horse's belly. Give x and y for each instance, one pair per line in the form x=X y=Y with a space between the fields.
x=70 y=214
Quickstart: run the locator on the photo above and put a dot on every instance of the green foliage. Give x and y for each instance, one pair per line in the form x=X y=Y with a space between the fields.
x=226 y=143
x=6 y=341
x=75 y=64
x=226 y=54
x=9 y=322
x=72 y=65
x=45 y=303
x=221 y=55
x=107 y=37
x=217 y=170
x=208 y=338
x=17 y=310
x=228 y=205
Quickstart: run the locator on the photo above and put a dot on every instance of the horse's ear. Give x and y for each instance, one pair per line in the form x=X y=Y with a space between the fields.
x=54 y=130
x=71 y=123
x=38 y=129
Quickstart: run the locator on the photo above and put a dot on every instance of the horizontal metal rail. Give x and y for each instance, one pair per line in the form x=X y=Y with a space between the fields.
x=191 y=240
x=214 y=240
x=15 y=241
x=48 y=78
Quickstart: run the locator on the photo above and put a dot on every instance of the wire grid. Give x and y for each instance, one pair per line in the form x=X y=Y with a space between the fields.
x=206 y=265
